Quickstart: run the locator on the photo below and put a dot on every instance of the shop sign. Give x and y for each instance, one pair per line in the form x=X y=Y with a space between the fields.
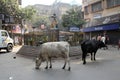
x=74 y=29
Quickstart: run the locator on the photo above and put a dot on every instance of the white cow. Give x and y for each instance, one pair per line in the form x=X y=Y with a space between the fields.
x=53 y=49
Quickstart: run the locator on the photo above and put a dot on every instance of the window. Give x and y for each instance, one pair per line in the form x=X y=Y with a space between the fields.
x=4 y=34
x=96 y=7
x=86 y=9
x=112 y=3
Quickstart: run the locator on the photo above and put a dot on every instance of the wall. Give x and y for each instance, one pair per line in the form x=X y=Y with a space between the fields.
x=105 y=12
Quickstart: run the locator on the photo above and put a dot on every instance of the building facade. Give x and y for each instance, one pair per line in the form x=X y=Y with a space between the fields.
x=102 y=17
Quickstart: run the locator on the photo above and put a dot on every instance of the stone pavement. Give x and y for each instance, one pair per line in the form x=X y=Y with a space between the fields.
x=16 y=48
x=75 y=51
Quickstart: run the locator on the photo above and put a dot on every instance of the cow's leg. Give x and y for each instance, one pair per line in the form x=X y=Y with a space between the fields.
x=94 y=56
x=64 y=63
x=84 y=58
x=50 y=63
x=38 y=62
x=46 y=63
x=68 y=60
x=91 y=56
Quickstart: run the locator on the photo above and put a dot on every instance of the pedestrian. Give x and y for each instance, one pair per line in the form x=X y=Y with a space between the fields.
x=106 y=41
x=103 y=39
x=99 y=37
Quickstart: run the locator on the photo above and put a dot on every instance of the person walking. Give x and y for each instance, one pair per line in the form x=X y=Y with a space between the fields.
x=99 y=37
x=103 y=39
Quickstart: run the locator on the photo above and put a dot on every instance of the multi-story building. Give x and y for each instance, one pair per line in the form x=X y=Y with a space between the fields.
x=102 y=17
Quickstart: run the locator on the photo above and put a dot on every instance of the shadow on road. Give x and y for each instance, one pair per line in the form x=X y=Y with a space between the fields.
x=3 y=52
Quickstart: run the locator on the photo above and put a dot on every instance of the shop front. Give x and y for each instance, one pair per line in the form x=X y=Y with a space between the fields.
x=109 y=25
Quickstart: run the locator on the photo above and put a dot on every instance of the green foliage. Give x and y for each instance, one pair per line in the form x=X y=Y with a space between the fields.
x=28 y=12
x=39 y=20
x=11 y=8
x=73 y=17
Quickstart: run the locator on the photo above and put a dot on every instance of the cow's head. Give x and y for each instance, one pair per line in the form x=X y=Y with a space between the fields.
x=101 y=44
x=38 y=63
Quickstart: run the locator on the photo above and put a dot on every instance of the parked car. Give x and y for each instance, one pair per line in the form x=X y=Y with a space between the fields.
x=5 y=41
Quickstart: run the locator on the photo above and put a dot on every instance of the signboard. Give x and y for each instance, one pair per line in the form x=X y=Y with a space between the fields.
x=74 y=29
x=102 y=27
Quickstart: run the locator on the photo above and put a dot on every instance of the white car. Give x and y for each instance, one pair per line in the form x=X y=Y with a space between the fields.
x=5 y=41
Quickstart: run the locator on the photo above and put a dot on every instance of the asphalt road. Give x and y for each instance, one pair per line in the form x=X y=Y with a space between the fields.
x=107 y=67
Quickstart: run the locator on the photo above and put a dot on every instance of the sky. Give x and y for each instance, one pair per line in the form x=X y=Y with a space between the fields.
x=48 y=2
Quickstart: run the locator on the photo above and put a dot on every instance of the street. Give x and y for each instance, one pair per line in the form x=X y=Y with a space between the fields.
x=106 y=67
x=35 y=31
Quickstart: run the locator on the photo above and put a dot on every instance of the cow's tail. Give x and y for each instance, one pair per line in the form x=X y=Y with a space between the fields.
x=68 y=56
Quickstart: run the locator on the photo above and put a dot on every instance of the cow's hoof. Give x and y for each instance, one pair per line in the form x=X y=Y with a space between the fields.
x=63 y=67
x=84 y=63
x=46 y=67
x=92 y=59
x=50 y=67
x=69 y=69
x=37 y=68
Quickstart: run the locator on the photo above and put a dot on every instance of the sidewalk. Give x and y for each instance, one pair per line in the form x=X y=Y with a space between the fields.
x=16 y=48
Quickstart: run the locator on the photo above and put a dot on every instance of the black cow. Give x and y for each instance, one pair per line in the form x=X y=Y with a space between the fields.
x=90 y=46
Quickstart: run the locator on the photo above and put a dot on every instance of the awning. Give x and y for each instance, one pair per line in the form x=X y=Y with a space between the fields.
x=102 y=28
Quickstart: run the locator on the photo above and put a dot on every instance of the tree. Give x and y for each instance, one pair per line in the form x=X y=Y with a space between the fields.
x=73 y=17
x=28 y=12
x=11 y=8
x=8 y=7
x=39 y=20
